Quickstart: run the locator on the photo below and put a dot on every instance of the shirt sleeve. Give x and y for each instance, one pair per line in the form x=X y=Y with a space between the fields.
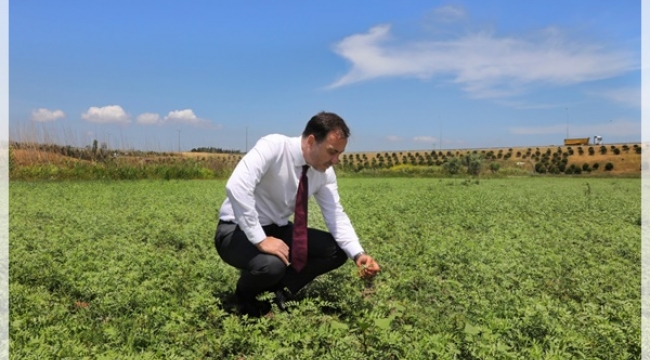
x=337 y=221
x=240 y=187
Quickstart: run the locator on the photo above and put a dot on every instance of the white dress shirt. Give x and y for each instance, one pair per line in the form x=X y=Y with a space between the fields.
x=262 y=191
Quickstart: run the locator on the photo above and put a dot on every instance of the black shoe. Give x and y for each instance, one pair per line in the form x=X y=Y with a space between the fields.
x=281 y=298
x=254 y=309
x=248 y=305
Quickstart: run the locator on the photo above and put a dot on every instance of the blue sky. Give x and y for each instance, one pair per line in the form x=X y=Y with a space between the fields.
x=406 y=75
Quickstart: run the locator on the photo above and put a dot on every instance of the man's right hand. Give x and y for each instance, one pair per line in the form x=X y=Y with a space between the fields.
x=275 y=246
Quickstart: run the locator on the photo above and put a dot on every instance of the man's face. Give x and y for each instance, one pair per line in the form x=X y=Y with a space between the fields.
x=322 y=156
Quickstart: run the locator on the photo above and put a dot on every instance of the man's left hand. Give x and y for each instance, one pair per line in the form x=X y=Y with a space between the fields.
x=368 y=267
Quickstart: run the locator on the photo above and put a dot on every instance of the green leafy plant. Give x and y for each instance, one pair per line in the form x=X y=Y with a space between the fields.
x=140 y=279
x=452 y=166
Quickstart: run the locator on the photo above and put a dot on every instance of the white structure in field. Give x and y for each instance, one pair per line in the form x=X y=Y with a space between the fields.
x=598 y=140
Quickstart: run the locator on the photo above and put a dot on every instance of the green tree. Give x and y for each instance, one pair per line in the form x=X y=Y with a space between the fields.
x=474 y=163
x=452 y=166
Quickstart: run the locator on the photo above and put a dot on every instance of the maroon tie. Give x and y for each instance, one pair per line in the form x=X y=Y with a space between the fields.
x=299 y=242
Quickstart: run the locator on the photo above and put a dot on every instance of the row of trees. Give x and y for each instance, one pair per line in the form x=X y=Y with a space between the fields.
x=438 y=158
x=472 y=162
x=215 y=150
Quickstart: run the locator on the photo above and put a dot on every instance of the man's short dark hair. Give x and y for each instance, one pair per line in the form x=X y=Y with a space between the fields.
x=323 y=123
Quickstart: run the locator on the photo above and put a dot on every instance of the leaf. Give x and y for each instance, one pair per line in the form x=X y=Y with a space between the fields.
x=363 y=325
x=399 y=308
x=383 y=324
x=340 y=326
x=472 y=330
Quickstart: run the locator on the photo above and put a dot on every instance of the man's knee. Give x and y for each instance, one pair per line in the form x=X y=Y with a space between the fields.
x=268 y=265
x=340 y=257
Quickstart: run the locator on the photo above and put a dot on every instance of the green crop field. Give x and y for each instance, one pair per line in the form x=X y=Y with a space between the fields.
x=522 y=268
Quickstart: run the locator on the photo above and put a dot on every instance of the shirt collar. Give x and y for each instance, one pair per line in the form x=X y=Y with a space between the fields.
x=296 y=152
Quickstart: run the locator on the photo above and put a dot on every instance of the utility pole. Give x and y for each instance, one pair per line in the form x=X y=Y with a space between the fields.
x=179 y=140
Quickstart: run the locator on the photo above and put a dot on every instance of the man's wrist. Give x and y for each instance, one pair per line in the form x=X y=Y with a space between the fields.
x=358 y=255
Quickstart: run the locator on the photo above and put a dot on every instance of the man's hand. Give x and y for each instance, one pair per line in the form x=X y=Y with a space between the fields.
x=368 y=267
x=275 y=246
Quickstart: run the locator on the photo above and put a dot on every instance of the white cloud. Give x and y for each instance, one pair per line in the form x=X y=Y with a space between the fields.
x=483 y=64
x=148 y=119
x=449 y=13
x=630 y=97
x=619 y=127
x=426 y=139
x=186 y=116
x=44 y=115
x=393 y=138
x=106 y=114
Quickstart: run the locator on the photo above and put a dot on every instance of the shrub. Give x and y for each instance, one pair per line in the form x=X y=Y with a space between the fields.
x=595 y=166
x=609 y=166
x=591 y=151
x=473 y=163
x=453 y=165
x=494 y=167
x=585 y=167
x=616 y=151
x=540 y=168
x=603 y=150
x=573 y=169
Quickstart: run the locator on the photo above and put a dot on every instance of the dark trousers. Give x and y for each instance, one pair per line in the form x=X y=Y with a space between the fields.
x=264 y=272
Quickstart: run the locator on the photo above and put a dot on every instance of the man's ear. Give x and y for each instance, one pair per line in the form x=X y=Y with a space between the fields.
x=311 y=140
